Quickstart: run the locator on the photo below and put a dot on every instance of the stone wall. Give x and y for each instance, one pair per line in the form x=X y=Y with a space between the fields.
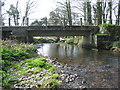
x=102 y=41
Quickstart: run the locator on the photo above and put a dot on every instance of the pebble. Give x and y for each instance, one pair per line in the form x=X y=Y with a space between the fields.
x=84 y=82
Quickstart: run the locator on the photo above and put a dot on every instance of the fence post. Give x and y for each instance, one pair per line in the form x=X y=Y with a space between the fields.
x=46 y=21
x=81 y=21
x=27 y=21
x=9 y=21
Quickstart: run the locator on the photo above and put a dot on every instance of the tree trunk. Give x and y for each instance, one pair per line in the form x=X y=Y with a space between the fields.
x=103 y=12
x=14 y=17
x=89 y=18
x=69 y=12
x=118 y=19
x=85 y=12
x=99 y=12
x=0 y=14
x=110 y=8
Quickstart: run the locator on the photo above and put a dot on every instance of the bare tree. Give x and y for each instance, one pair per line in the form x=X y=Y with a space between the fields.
x=14 y=13
x=30 y=5
x=66 y=6
x=1 y=4
x=110 y=11
x=57 y=17
x=89 y=15
x=118 y=22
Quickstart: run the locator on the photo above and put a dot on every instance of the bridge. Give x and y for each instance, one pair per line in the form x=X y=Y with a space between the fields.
x=26 y=33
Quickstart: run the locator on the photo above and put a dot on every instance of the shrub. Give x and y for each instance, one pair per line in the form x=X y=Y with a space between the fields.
x=116 y=44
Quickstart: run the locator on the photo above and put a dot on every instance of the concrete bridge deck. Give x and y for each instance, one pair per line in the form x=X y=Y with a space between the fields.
x=27 y=32
x=9 y=28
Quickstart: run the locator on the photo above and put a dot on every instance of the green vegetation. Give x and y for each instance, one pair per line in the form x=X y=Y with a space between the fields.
x=114 y=32
x=105 y=24
x=69 y=40
x=51 y=83
x=73 y=40
x=19 y=60
x=102 y=34
x=116 y=44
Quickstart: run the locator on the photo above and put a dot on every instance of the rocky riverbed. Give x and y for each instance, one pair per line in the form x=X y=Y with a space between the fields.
x=86 y=76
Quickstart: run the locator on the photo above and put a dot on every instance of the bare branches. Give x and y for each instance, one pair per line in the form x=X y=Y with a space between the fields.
x=30 y=6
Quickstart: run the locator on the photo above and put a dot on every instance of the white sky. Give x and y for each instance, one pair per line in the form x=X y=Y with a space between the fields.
x=42 y=8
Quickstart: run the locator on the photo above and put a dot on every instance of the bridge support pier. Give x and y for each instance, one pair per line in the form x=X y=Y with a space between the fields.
x=29 y=39
x=87 y=41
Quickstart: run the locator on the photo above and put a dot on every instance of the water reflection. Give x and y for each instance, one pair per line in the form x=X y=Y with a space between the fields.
x=76 y=55
x=100 y=68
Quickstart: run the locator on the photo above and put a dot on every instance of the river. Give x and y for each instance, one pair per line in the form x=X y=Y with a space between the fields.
x=99 y=68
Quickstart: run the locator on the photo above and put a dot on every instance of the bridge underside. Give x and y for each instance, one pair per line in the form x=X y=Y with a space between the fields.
x=87 y=35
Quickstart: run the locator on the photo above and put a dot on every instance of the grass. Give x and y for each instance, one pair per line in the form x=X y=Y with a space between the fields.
x=51 y=83
x=105 y=24
x=102 y=34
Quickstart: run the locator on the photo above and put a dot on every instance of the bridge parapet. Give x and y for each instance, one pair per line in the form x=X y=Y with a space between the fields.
x=59 y=28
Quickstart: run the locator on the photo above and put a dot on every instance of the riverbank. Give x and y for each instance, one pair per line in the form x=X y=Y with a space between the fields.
x=23 y=68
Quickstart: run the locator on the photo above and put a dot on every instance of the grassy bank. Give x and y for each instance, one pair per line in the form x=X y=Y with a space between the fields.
x=22 y=68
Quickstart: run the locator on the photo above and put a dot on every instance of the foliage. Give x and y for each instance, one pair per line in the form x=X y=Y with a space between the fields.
x=10 y=55
x=7 y=79
x=13 y=11
x=38 y=62
x=102 y=34
x=42 y=22
x=55 y=75
x=69 y=40
x=116 y=44
x=113 y=30
x=12 y=51
x=105 y=24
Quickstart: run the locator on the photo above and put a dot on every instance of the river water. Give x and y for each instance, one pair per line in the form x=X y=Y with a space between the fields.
x=99 y=68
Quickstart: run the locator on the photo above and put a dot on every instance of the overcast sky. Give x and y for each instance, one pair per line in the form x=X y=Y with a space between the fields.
x=42 y=9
